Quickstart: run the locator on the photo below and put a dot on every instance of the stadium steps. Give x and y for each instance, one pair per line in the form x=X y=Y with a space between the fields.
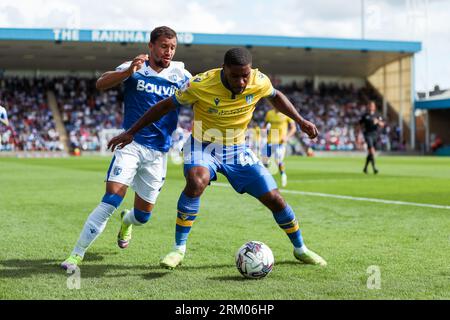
x=60 y=128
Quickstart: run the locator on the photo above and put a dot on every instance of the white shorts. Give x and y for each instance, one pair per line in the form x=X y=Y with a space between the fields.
x=141 y=168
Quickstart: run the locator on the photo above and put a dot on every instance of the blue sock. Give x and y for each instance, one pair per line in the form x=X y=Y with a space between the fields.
x=187 y=212
x=136 y=217
x=287 y=221
x=112 y=199
x=141 y=216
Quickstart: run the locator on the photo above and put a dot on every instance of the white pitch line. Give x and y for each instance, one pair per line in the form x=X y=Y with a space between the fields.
x=326 y=195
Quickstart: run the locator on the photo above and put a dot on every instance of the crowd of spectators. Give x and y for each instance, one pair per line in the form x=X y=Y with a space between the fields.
x=85 y=111
x=335 y=110
x=31 y=125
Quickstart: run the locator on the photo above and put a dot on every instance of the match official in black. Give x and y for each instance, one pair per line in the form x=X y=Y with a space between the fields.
x=370 y=122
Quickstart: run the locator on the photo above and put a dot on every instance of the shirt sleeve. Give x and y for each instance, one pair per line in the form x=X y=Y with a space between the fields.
x=186 y=94
x=123 y=66
x=267 y=90
x=187 y=74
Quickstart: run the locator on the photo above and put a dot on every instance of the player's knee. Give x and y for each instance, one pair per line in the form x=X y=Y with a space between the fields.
x=196 y=184
x=194 y=190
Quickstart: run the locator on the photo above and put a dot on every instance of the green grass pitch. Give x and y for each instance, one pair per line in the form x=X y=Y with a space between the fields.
x=44 y=203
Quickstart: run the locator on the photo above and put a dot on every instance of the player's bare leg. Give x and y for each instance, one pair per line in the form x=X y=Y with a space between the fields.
x=139 y=215
x=96 y=222
x=197 y=179
x=285 y=217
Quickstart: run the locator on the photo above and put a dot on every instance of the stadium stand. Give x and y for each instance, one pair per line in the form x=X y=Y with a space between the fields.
x=336 y=110
x=31 y=121
x=385 y=66
x=85 y=112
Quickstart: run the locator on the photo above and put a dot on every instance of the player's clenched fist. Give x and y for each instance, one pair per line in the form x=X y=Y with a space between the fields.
x=137 y=63
x=309 y=128
x=120 y=141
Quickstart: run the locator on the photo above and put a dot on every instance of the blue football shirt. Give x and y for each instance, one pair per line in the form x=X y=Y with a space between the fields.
x=144 y=89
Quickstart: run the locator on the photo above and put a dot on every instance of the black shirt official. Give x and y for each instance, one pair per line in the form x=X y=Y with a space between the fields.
x=369 y=123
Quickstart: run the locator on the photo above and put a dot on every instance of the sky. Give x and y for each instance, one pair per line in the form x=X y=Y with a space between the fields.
x=427 y=21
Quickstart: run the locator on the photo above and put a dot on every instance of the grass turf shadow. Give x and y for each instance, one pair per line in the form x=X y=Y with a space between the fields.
x=27 y=268
x=241 y=278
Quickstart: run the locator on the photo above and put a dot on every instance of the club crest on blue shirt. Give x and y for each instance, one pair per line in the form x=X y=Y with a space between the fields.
x=249 y=98
x=117 y=171
x=173 y=78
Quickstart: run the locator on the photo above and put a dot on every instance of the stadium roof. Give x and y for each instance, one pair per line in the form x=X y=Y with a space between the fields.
x=64 y=49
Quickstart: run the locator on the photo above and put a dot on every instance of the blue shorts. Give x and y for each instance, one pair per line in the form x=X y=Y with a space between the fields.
x=237 y=163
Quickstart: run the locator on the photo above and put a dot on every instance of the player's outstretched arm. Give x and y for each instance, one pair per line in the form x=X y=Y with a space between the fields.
x=282 y=103
x=111 y=79
x=152 y=115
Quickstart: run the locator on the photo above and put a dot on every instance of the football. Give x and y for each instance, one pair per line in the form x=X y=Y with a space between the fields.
x=254 y=260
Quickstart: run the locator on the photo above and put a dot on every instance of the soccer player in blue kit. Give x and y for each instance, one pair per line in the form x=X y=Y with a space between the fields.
x=148 y=79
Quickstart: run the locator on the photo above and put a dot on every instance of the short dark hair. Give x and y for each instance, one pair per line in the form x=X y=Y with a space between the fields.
x=162 y=31
x=237 y=57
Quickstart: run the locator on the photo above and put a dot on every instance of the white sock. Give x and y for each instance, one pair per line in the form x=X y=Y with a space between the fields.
x=181 y=248
x=301 y=250
x=129 y=218
x=93 y=227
